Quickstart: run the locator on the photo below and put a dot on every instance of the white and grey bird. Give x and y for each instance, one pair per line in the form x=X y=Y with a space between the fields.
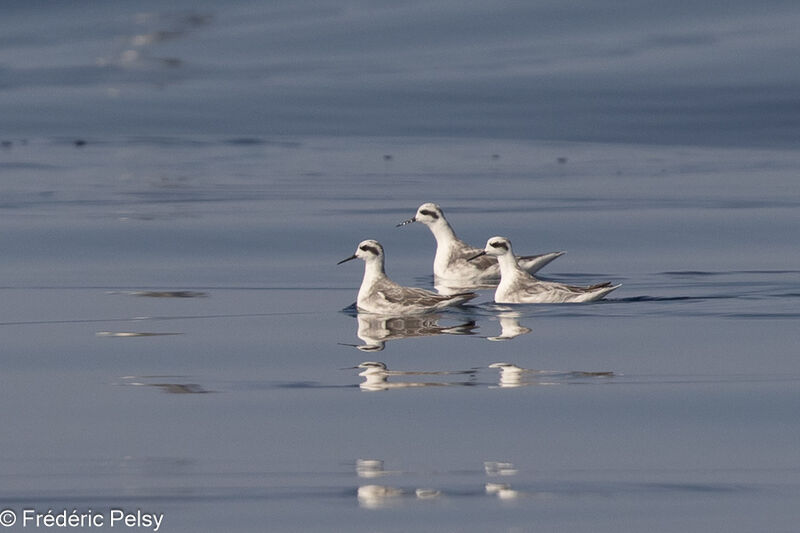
x=517 y=286
x=450 y=262
x=379 y=294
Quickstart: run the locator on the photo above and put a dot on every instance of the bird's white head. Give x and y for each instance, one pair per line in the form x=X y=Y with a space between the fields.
x=369 y=250
x=428 y=214
x=497 y=246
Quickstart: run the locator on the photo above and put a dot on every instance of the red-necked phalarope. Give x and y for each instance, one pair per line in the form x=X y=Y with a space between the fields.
x=517 y=286
x=378 y=294
x=452 y=253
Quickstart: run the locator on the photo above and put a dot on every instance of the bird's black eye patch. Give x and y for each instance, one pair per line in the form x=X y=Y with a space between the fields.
x=367 y=248
x=498 y=245
x=429 y=213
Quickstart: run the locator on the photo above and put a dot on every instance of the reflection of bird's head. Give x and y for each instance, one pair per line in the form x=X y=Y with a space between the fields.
x=372 y=368
x=506 y=367
x=510 y=375
x=374 y=346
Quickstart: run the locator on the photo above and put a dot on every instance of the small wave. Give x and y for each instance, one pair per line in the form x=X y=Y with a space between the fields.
x=689 y=273
x=133 y=334
x=307 y=385
x=682 y=488
x=257 y=141
x=644 y=298
x=704 y=273
x=272 y=385
x=169 y=294
x=763 y=316
x=16 y=165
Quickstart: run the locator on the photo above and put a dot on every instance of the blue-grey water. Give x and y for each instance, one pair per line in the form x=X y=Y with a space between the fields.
x=177 y=185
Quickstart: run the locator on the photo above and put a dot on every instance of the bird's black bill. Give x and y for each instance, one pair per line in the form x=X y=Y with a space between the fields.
x=476 y=256
x=346 y=260
x=409 y=221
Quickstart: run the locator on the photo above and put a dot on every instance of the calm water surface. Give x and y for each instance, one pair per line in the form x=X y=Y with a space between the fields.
x=176 y=339
x=178 y=181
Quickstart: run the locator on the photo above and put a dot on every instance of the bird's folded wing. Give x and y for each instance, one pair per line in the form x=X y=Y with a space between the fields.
x=410 y=296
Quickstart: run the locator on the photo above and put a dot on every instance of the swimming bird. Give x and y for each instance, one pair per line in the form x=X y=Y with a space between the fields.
x=379 y=294
x=517 y=286
x=450 y=262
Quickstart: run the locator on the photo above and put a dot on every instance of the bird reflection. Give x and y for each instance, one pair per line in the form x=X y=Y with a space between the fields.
x=509 y=327
x=371 y=468
x=376 y=377
x=171 y=386
x=378 y=496
x=375 y=496
x=514 y=376
x=381 y=496
x=499 y=468
x=375 y=330
x=503 y=491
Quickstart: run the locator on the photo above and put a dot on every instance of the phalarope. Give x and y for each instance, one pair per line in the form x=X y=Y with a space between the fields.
x=517 y=286
x=450 y=262
x=378 y=294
